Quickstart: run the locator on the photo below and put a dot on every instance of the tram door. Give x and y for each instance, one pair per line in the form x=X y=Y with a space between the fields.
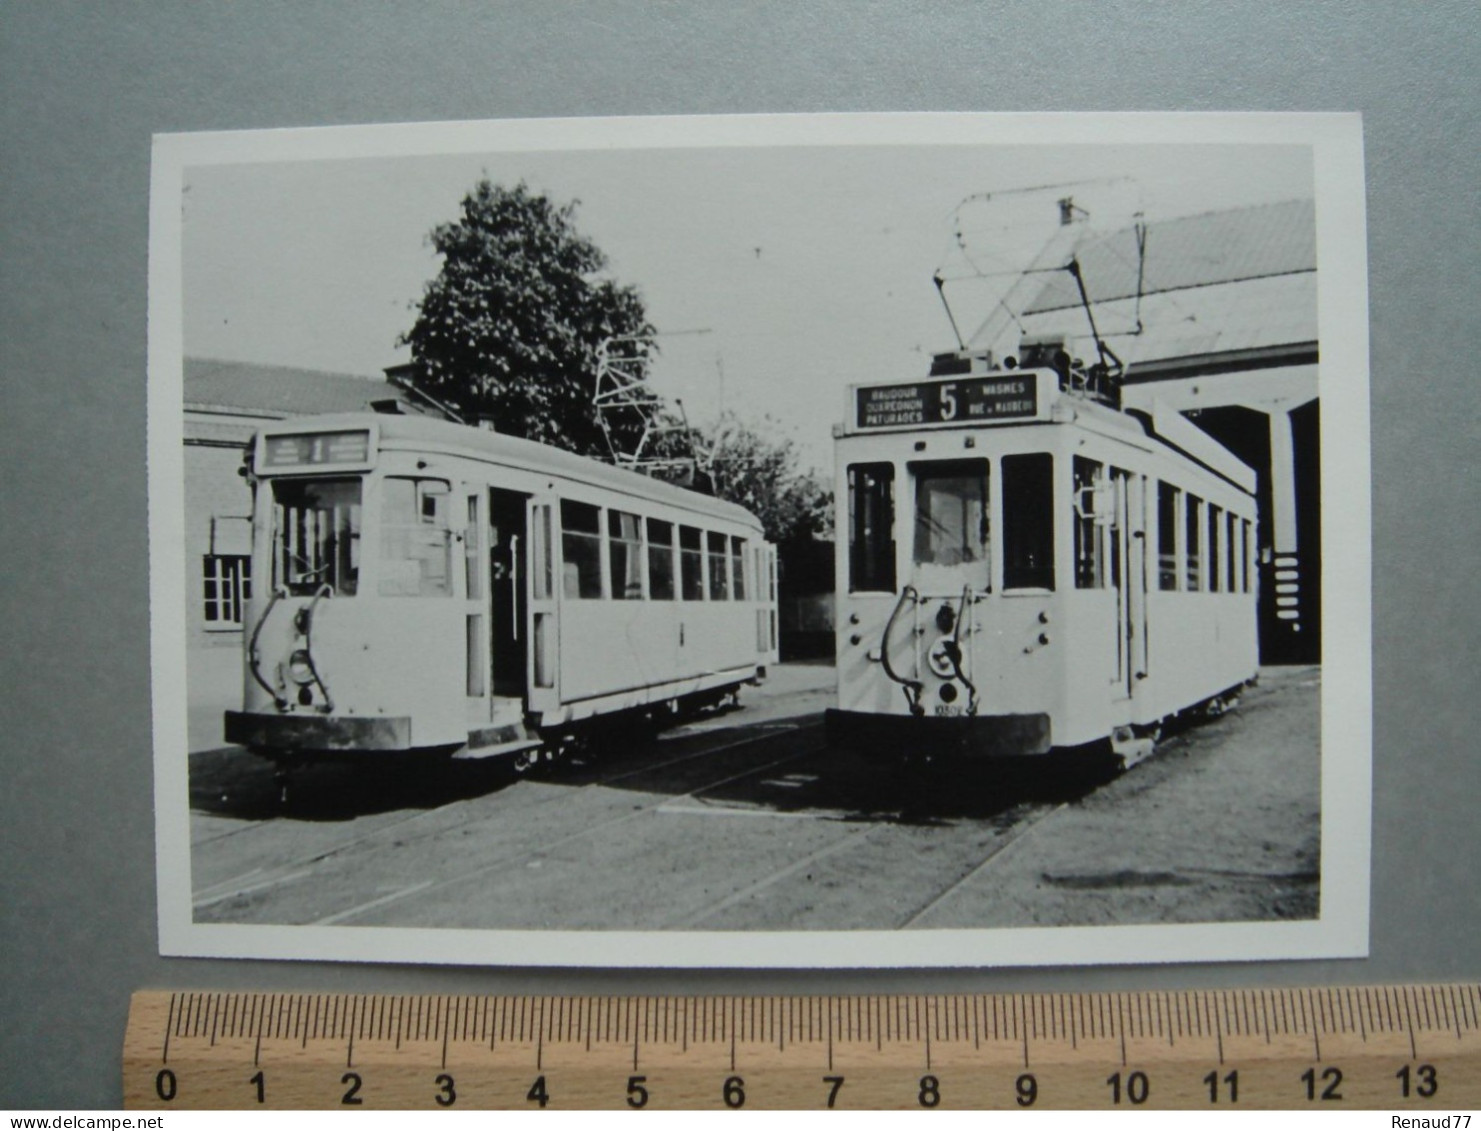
x=508 y=549
x=1129 y=577
x=542 y=653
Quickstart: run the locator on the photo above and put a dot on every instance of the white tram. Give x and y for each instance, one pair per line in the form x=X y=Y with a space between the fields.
x=1028 y=567
x=435 y=587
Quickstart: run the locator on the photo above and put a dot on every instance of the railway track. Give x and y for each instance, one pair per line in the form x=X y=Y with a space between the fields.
x=300 y=866
x=761 y=827
x=836 y=845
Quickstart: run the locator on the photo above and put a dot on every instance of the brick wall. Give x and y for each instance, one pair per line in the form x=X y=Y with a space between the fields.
x=217 y=503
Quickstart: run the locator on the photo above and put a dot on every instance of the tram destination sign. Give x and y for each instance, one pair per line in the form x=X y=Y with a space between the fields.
x=965 y=400
x=314 y=449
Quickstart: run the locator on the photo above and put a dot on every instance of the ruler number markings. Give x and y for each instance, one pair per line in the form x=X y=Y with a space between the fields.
x=1330 y=1082
x=1425 y=1081
x=1428 y=1029
x=1138 y=1087
x=1230 y=1082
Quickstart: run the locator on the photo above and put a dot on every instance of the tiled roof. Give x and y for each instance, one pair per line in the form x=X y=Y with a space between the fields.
x=1232 y=246
x=273 y=390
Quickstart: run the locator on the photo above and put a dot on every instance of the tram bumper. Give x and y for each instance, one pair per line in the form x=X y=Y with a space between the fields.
x=959 y=736
x=317 y=732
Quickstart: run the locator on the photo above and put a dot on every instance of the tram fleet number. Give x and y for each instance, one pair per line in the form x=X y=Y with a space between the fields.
x=1319 y=1084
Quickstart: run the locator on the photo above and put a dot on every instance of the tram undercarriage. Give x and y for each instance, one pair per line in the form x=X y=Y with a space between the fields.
x=292 y=742
x=907 y=736
x=1018 y=737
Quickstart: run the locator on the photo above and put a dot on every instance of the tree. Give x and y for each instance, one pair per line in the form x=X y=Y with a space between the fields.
x=508 y=330
x=761 y=474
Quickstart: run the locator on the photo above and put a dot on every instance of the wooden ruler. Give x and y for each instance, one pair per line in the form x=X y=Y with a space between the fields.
x=1400 y=1047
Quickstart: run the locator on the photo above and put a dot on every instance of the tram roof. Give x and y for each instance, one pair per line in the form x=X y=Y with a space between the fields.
x=494 y=447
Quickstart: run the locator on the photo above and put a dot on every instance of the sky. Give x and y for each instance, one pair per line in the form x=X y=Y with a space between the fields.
x=778 y=274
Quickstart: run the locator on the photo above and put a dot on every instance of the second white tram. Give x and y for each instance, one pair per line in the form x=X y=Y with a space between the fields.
x=1027 y=567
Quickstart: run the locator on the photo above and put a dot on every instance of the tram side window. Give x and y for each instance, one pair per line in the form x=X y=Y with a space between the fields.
x=1195 y=558
x=1168 y=502
x=871 y=517
x=1090 y=536
x=1244 y=553
x=1121 y=484
x=581 y=549
x=1215 y=521
x=473 y=552
x=719 y=588
x=1231 y=578
x=660 y=560
x=691 y=564
x=416 y=544
x=738 y=569
x=625 y=555
x=316 y=535
x=542 y=561
x=1028 y=521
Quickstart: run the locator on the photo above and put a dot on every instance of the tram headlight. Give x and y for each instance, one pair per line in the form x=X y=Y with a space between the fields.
x=301 y=668
x=945 y=618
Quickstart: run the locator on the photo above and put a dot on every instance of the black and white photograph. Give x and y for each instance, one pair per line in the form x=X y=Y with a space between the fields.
x=798 y=541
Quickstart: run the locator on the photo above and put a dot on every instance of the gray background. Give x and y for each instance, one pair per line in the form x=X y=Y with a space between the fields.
x=82 y=88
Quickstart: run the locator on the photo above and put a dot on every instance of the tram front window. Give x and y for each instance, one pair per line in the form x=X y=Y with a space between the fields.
x=951 y=526
x=316 y=535
x=871 y=519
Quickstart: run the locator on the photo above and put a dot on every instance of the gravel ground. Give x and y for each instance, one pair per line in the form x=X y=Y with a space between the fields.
x=1221 y=824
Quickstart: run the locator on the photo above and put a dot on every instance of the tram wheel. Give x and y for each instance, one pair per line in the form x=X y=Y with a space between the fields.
x=1219 y=706
x=1133 y=744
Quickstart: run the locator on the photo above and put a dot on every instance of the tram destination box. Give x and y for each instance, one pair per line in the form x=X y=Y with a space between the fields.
x=955 y=402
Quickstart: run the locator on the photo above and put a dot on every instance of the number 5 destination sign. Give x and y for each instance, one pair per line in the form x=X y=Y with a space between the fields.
x=961 y=401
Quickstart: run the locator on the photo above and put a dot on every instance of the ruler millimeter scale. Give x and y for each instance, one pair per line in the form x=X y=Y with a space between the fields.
x=1325 y=1049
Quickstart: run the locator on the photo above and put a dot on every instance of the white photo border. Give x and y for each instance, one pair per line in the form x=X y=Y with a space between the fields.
x=1341 y=928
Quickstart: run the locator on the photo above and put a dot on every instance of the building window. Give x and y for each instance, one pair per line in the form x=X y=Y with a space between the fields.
x=871 y=517
x=227 y=582
x=1028 y=521
x=581 y=549
x=625 y=555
